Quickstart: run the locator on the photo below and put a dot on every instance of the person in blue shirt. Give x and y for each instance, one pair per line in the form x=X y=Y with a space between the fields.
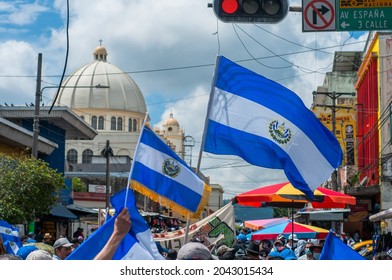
x=242 y=236
x=281 y=252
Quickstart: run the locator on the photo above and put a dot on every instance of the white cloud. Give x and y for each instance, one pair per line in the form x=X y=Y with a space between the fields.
x=169 y=48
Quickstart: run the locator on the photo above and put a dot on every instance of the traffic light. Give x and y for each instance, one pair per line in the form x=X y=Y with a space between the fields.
x=251 y=11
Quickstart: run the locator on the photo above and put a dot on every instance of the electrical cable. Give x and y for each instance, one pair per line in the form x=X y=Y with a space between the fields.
x=66 y=60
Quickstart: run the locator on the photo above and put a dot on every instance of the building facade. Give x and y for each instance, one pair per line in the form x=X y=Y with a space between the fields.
x=112 y=103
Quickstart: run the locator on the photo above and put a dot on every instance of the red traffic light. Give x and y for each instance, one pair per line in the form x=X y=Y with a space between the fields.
x=248 y=11
x=229 y=6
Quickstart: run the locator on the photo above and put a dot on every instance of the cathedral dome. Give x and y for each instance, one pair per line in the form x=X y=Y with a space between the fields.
x=171 y=121
x=101 y=85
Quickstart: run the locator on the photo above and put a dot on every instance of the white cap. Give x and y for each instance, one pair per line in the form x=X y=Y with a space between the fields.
x=39 y=255
x=293 y=237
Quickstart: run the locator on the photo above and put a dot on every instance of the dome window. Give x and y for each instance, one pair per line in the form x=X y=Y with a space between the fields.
x=94 y=122
x=119 y=123
x=101 y=122
x=134 y=126
x=113 y=123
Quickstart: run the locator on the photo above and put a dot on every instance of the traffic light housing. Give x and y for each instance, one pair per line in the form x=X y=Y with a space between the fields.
x=251 y=11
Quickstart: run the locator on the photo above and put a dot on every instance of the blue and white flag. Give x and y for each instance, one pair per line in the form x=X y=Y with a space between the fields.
x=335 y=249
x=10 y=236
x=268 y=125
x=160 y=174
x=137 y=245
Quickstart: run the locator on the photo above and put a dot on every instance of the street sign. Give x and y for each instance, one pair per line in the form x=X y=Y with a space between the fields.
x=318 y=15
x=363 y=15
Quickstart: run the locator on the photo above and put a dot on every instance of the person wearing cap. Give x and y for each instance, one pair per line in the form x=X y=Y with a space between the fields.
x=195 y=251
x=62 y=248
x=292 y=241
x=281 y=252
x=222 y=250
x=282 y=239
x=39 y=255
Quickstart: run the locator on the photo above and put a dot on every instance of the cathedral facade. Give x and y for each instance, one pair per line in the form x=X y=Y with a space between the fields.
x=110 y=101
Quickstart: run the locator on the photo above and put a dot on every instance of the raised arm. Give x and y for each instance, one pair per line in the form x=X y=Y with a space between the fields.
x=122 y=225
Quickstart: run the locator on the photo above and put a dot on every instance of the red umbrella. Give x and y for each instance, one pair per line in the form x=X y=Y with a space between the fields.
x=285 y=195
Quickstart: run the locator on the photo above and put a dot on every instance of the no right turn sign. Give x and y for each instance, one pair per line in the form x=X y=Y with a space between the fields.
x=318 y=15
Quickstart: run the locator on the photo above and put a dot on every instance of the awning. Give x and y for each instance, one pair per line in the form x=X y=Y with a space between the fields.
x=61 y=211
x=325 y=215
x=82 y=211
x=386 y=214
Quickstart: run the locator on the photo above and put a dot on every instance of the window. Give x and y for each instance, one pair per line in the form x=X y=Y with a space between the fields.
x=72 y=156
x=134 y=126
x=87 y=156
x=101 y=123
x=119 y=123
x=94 y=122
x=113 y=123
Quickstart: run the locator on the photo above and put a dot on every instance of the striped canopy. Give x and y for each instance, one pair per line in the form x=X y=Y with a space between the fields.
x=263 y=223
x=285 y=195
x=287 y=228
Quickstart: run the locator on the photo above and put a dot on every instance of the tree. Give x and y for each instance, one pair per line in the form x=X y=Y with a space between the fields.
x=78 y=185
x=28 y=188
x=280 y=212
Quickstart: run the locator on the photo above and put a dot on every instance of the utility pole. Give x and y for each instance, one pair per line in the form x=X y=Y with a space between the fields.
x=34 y=149
x=107 y=152
x=334 y=108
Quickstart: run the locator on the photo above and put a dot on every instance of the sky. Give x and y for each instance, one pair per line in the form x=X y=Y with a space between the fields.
x=169 y=48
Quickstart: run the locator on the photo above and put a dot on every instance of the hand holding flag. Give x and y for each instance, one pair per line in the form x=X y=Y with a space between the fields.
x=137 y=244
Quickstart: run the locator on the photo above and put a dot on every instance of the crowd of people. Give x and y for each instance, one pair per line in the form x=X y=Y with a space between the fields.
x=41 y=247
x=281 y=248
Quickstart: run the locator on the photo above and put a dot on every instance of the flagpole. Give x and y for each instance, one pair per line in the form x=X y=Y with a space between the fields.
x=208 y=114
x=136 y=151
x=203 y=137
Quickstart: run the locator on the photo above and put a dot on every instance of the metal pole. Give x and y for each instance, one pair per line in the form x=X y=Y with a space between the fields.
x=107 y=152
x=34 y=149
x=333 y=97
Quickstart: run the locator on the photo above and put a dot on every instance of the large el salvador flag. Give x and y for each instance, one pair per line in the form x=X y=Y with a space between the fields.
x=268 y=125
x=159 y=173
